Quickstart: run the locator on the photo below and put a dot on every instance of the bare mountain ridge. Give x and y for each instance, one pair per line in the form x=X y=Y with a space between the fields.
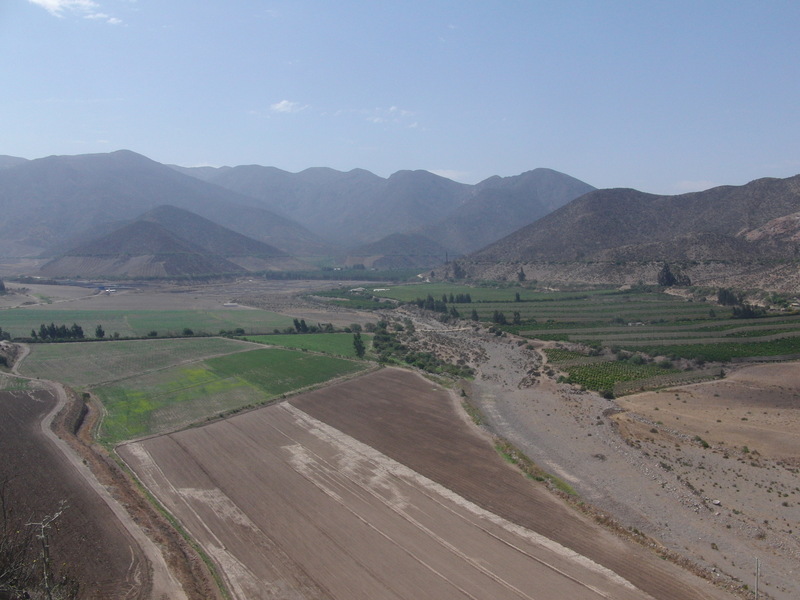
x=501 y=204
x=139 y=249
x=348 y=208
x=212 y=237
x=399 y=251
x=358 y=207
x=11 y=161
x=597 y=224
x=625 y=236
x=168 y=242
x=51 y=200
x=51 y=204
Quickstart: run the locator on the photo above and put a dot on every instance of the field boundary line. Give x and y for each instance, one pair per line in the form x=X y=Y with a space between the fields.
x=399 y=471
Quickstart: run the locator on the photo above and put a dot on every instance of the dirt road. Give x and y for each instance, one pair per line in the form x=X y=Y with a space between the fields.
x=155 y=581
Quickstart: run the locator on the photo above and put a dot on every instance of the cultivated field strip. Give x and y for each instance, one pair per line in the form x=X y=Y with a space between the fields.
x=88 y=364
x=689 y=341
x=622 y=388
x=722 y=326
x=292 y=508
x=169 y=398
x=134 y=322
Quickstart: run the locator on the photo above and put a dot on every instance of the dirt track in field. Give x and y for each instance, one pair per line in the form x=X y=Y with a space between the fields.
x=377 y=488
x=108 y=538
x=88 y=542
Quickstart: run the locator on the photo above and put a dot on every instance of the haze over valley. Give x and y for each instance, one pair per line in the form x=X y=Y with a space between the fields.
x=415 y=300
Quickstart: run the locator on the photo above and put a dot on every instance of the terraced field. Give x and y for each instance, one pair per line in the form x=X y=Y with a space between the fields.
x=647 y=323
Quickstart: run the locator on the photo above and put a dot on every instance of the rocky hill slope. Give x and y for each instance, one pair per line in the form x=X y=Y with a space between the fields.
x=745 y=234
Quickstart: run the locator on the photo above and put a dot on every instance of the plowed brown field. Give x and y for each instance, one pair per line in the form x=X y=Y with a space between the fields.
x=87 y=541
x=377 y=488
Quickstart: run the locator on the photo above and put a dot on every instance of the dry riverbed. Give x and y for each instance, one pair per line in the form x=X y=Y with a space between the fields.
x=643 y=459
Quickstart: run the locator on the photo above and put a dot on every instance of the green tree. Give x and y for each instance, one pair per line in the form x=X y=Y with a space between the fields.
x=99 y=332
x=499 y=318
x=728 y=297
x=665 y=276
x=358 y=345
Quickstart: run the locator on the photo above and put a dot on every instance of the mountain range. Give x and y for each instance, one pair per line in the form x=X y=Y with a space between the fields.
x=168 y=242
x=123 y=215
x=362 y=207
x=53 y=207
x=734 y=234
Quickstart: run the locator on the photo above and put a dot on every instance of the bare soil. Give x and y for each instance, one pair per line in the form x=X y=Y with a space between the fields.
x=175 y=570
x=755 y=407
x=714 y=509
x=88 y=543
x=388 y=492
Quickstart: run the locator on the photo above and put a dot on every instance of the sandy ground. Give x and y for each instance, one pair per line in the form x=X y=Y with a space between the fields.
x=719 y=507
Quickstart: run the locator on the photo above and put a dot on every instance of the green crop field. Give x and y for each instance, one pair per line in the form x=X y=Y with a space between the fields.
x=340 y=344
x=410 y=292
x=168 y=399
x=603 y=376
x=723 y=351
x=20 y=321
x=82 y=364
x=647 y=322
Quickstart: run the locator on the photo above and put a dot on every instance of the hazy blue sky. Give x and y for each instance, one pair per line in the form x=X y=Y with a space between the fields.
x=663 y=96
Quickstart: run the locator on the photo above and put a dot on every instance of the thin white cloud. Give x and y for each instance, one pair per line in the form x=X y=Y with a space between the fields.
x=88 y=9
x=57 y=7
x=287 y=106
x=392 y=115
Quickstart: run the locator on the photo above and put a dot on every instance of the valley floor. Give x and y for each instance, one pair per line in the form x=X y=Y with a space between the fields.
x=718 y=507
x=660 y=465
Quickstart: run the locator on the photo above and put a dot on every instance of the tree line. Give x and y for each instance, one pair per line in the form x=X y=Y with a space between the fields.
x=53 y=332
